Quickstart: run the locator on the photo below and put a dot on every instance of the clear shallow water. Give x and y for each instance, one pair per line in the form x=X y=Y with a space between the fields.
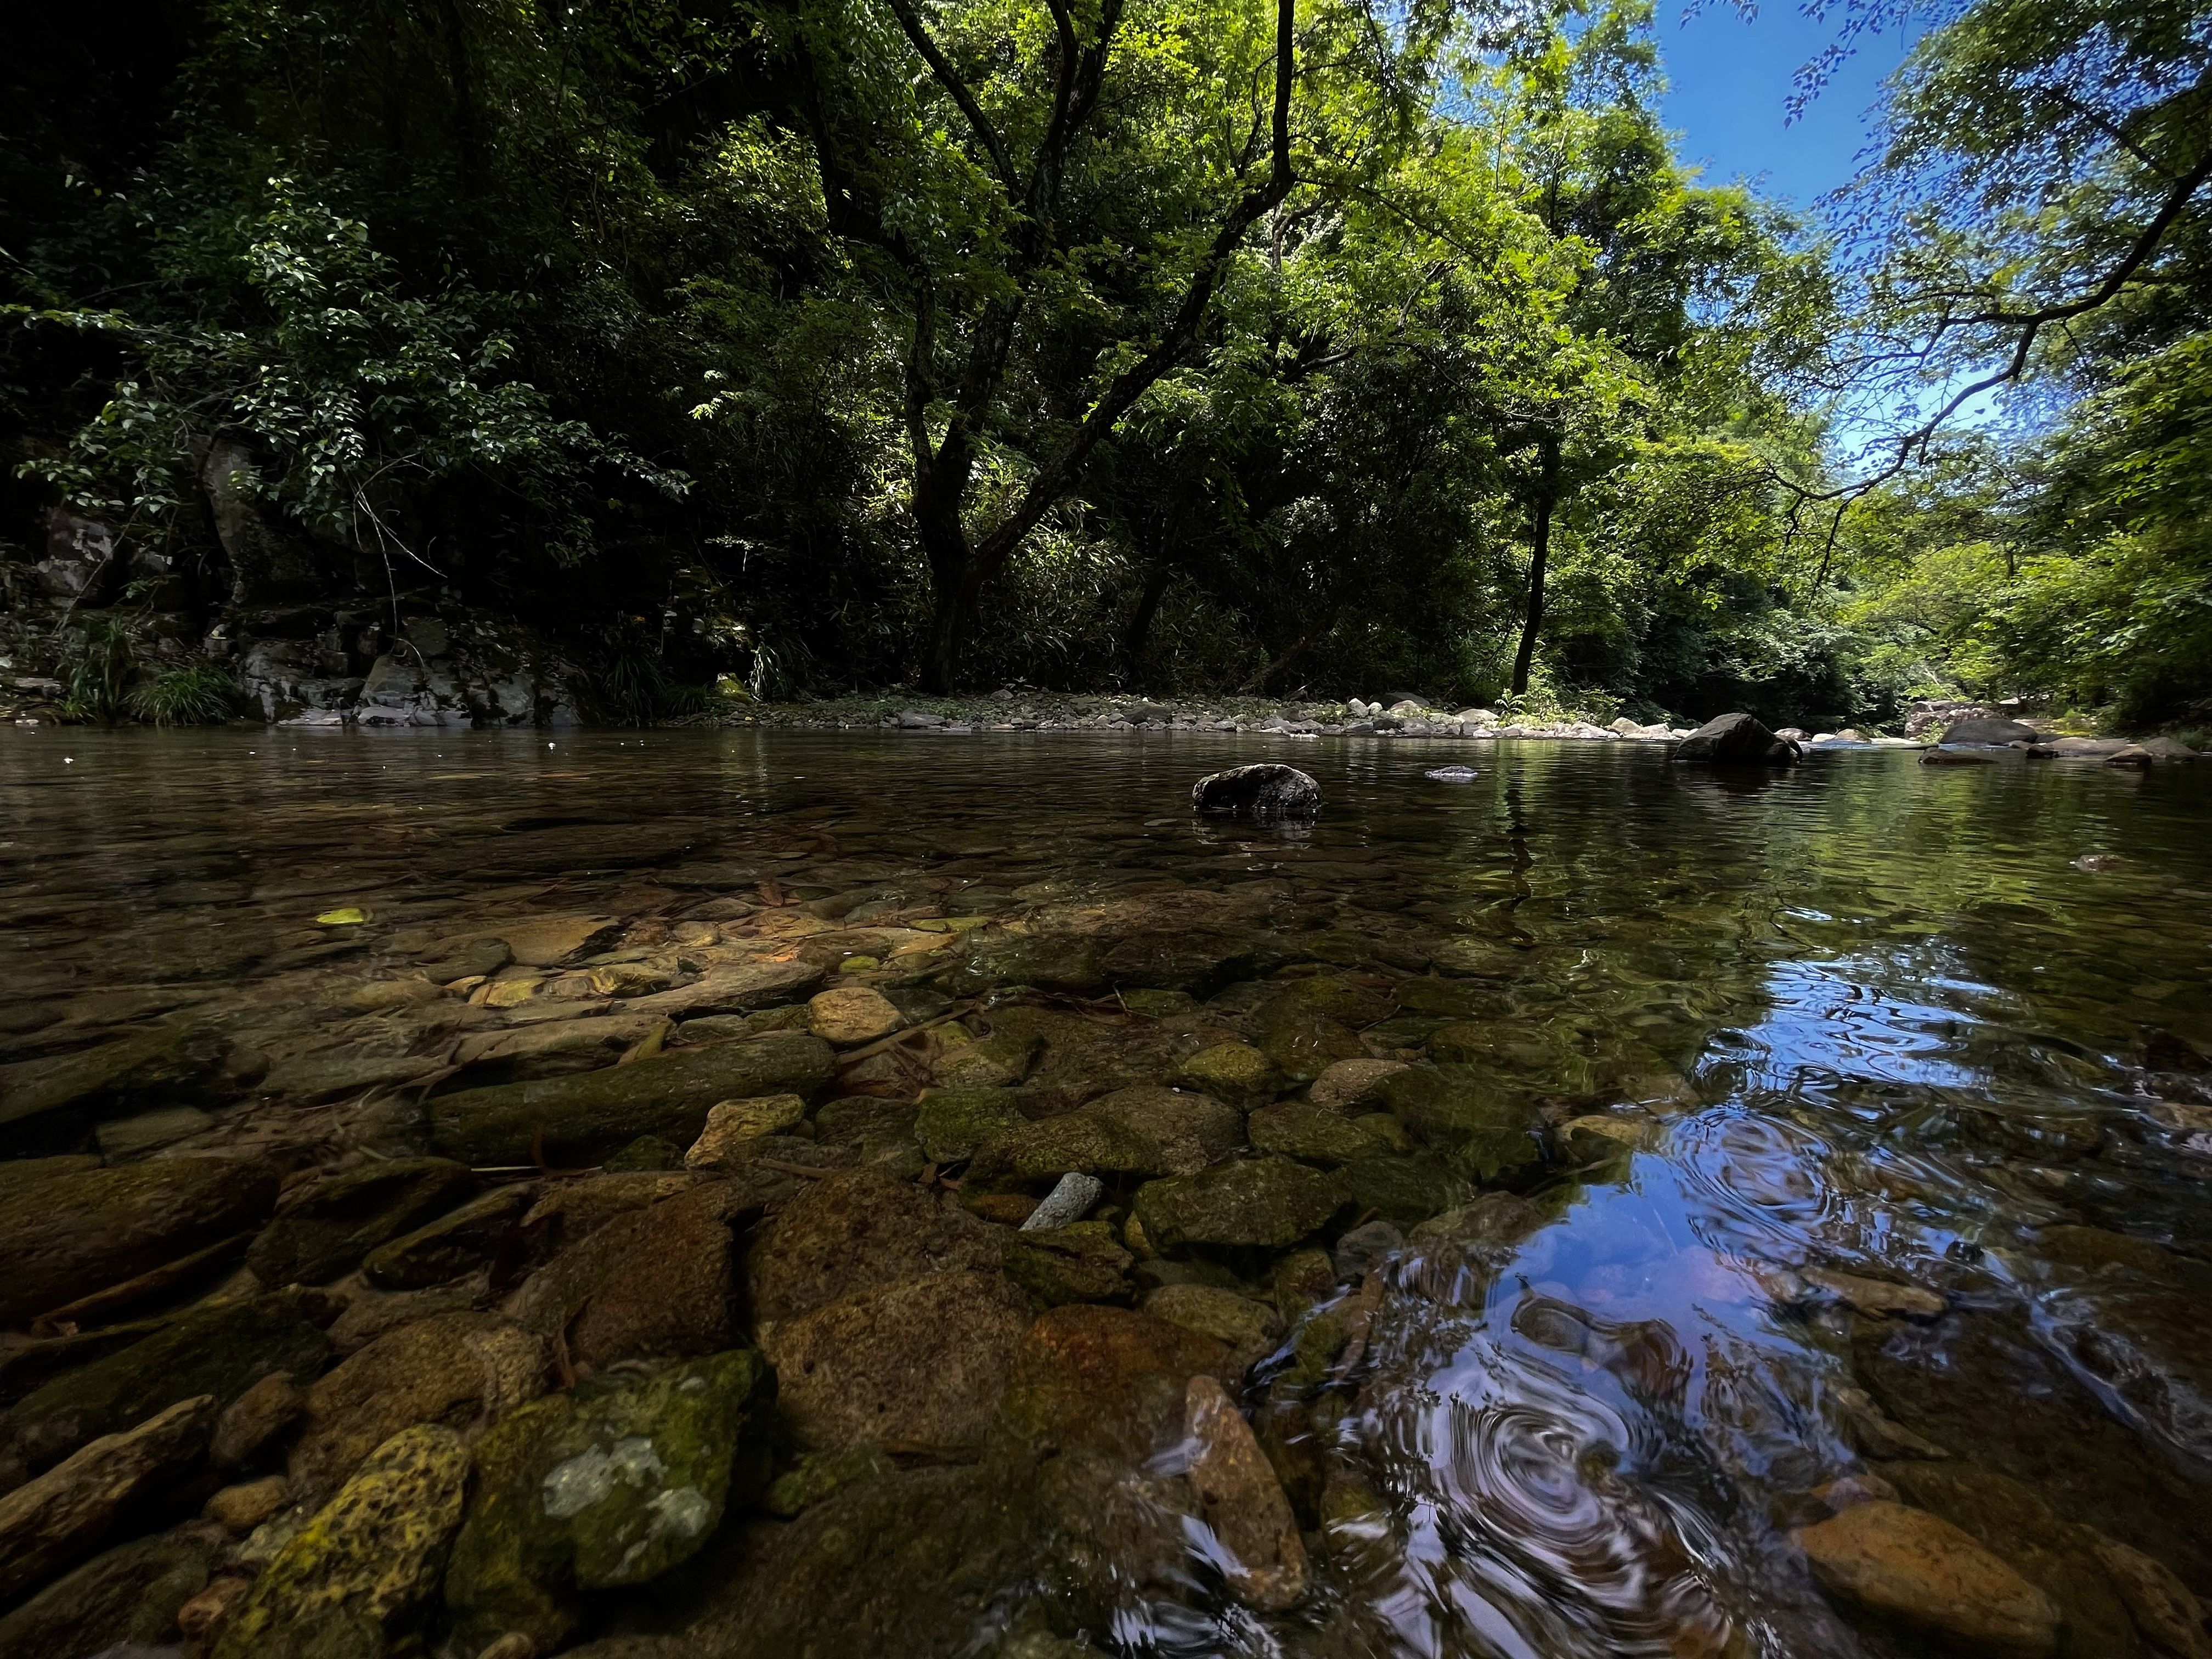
x=1863 y=1017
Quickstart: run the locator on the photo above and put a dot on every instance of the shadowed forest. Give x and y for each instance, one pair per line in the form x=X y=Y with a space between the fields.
x=1191 y=346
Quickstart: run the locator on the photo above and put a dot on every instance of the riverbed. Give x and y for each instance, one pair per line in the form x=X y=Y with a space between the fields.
x=1624 y=1209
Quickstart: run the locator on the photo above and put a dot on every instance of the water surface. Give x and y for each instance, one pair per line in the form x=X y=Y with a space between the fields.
x=1942 y=1029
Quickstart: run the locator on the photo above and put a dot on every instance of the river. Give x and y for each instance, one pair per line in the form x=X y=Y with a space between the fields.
x=1869 y=1110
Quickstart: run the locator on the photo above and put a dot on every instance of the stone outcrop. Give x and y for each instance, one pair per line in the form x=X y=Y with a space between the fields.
x=1735 y=741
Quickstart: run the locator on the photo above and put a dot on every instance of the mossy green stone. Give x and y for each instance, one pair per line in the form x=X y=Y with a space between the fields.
x=1080 y=1262
x=1442 y=999
x=367 y=1559
x=1496 y=1129
x=81 y=1230
x=125 y=1599
x=953 y=1122
x=986 y=959
x=585 y=1116
x=1322 y=996
x=1310 y=1133
x=820 y=1474
x=1154 y=1004
x=1404 y=1191
x=646 y=1153
x=1086 y=1143
x=1304 y=1045
x=1265 y=1202
x=1234 y=1071
x=610 y=1486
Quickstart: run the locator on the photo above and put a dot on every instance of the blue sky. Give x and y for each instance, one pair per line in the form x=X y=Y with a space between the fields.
x=1729 y=79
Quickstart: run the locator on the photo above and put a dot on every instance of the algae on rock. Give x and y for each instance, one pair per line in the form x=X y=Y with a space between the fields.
x=610 y=1486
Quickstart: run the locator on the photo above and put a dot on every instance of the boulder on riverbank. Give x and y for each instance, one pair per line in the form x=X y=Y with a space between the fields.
x=1735 y=741
x=1994 y=733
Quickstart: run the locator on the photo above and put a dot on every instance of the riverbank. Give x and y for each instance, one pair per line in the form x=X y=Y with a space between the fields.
x=1015 y=711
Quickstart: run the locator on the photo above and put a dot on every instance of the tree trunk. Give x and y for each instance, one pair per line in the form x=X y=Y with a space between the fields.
x=1140 y=620
x=1539 y=513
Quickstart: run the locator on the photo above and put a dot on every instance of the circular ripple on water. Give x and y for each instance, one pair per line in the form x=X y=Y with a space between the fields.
x=1529 y=1538
x=1758 y=1177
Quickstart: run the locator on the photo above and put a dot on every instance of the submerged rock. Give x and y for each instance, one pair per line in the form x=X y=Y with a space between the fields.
x=820 y=1475
x=1491 y=1128
x=857 y=1230
x=1077 y=1261
x=852 y=1015
x=168 y=1056
x=1089 y=1376
x=731 y=1124
x=368 y=1559
x=455 y=1244
x=81 y=1231
x=125 y=1598
x=1234 y=1071
x=1088 y=1143
x=1265 y=790
x=582 y=1118
x=610 y=1486
x=341 y=1219
x=953 y=1122
x=1265 y=1202
x=459 y=1369
x=1735 y=741
x=1242 y=1501
x=1312 y=1134
x=1249 y=1330
x=651 y=1284
x=1191 y=1129
x=1067 y=1203
x=221 y=1351
x=62 y=1516
x=915 y=1367
x=1908 y=1565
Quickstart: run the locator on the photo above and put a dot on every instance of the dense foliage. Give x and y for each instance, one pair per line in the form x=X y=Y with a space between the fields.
x=1200 y=344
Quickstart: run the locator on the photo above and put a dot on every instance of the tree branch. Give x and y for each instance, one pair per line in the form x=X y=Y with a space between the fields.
x=949 y=78
x=2030 y=323
x=1052 y=479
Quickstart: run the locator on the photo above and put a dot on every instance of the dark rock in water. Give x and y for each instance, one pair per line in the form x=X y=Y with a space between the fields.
x=1265 y=790
x=341 y=1219
x=1050 y=962
x=1994 y=733
x=1735 y=741
x=458 y=1368
x=171 y=1056
x=1265 y=1202
x=654 y=1284
x=920 y=1363
x=219 y=1350
x=909 y=1562
x=583 y=1117
x=127 y=1597
x=451 y=1245
x=81 y=1231
x=53 y=1523
x=1954 y=757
